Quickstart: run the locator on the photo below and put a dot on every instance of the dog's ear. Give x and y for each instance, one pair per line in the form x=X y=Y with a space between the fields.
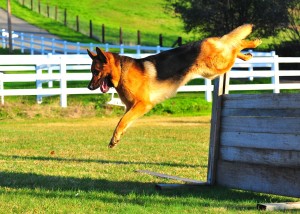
x=101 y=55
x=91 y=54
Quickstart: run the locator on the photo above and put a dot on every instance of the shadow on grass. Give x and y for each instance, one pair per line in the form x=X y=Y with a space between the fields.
x=41 y=158
x=99 y=189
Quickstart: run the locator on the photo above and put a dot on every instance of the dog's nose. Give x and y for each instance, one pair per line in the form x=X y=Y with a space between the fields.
x=90 y=87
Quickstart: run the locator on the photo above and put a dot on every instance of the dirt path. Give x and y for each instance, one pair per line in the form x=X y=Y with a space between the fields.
x=22 y=26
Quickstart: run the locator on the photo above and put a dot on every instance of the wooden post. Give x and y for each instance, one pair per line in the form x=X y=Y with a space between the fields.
x=39 y=6
x=103 y=33
x=9 y=26
x=179 y=41
x=160 y=40
x=31 y=4
x=77 y=23
x=220 y=88
x=65 y=17
x=138 y=37
x=48 y=12
x=121 y=36
x=55 y=13
x=91 y=29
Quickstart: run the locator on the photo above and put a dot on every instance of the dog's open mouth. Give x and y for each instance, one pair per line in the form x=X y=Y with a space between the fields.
x=105 y=84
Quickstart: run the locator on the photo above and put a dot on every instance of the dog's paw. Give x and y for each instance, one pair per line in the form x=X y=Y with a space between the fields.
x=112 y=144
x=257 y=42
x=247 y=56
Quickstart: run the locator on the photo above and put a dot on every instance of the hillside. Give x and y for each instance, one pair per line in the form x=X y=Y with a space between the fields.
x=148 y=16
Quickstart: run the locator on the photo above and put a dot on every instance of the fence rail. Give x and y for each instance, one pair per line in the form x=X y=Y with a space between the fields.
x=30 y=43
x=63 y=69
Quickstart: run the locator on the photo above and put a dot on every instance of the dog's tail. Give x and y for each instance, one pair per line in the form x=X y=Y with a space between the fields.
x=237 y=34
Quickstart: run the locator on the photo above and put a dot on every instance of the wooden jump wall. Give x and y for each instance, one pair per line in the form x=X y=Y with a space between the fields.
x=255 y=141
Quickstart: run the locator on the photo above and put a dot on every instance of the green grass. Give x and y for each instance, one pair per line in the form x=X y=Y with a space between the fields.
x=64 y=166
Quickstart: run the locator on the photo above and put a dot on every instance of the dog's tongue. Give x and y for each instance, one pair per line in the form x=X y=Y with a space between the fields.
x=103 y=86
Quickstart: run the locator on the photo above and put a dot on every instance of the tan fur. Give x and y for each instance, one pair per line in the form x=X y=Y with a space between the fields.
x=141 y=90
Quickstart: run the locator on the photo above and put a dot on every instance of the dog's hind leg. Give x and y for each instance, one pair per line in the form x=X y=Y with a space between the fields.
x=248 y=44
x=136 y=111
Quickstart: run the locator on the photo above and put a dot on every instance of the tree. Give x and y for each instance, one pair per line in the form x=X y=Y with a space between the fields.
x=293 y=29
x=218 y=17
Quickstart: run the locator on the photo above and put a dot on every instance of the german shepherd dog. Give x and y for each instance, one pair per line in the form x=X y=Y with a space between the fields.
x=143 y=83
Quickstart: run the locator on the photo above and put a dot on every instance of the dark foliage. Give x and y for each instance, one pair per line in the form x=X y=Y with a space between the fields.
x=221 y=16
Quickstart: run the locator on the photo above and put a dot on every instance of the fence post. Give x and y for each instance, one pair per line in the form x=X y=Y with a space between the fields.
x=48 y=12
x=55 y=16
x=31 y=45
x=121 y=36
x=12 y=41
x=3 y=39
x=160 y=40
x=39 y=84
x=139 y=37
x=77 y=23
x=63 y=83
x=50 y=83
x=65 y=48
x=43 y=45
x=39 y=6
x=208 y=91
x=53 y=42
x=91 y=29
x=65 y=17
x=78 y=48
x=2 y=88
x=22 y=42
x=121 y=49
x=138 y=51
x=103 y=33
x=250 y=69
x=275 y=78
x=157 y=49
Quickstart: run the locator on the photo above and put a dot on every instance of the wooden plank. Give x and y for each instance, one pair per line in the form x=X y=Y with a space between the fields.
x=215 y=129
x=263 y=101
x=270 y=157
x=258 y=112
x=286 y=125
x=261 y=140
x=259 y=178
x=178 y=186
x=279 y=206
x=170 y=177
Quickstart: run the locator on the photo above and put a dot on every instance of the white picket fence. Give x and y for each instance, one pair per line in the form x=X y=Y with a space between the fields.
x=70 y=68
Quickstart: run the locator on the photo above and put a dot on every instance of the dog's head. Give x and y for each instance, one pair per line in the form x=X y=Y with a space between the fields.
x=101 y=70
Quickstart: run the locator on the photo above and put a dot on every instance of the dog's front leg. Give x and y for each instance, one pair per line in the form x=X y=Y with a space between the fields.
x=136 y=111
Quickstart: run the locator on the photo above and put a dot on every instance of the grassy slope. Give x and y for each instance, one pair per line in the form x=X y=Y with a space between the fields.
x=64 y=166
x=148 y=16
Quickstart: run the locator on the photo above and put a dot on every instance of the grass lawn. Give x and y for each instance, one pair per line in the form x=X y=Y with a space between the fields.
x=63 y=165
